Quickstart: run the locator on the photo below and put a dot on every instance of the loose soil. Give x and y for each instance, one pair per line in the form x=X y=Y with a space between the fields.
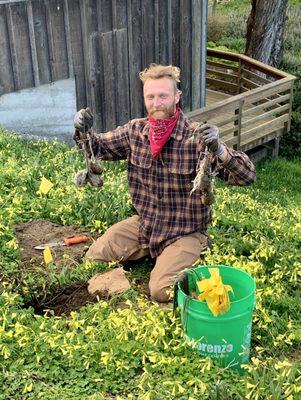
x=74 y=296
x=31 y=234
x=63 y=300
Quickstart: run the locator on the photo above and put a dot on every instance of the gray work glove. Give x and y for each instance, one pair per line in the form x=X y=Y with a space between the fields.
x=83 y=120
x=211 y=139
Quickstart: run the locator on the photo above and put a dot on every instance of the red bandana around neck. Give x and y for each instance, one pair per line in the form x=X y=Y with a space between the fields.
x=160 y=131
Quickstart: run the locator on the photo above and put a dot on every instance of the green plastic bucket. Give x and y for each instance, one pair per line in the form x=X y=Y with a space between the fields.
x=225 y=338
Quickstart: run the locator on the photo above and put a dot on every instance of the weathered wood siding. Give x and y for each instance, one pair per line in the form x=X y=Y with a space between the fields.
x=103 y=44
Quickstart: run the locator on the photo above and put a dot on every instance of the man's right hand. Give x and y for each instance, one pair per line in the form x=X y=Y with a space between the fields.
x=83 y=120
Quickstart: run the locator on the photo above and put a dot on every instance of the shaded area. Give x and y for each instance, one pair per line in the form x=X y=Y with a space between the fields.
x=64 y=300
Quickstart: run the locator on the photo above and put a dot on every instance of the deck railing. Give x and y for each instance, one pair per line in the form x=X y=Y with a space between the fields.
x=259 y=102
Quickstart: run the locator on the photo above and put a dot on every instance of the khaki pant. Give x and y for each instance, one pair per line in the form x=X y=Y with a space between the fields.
x=120 y=243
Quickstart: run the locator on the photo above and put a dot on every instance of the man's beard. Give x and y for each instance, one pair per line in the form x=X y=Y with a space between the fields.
x=165 y=112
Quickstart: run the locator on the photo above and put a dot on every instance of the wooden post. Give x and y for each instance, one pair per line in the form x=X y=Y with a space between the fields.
x=237 y=125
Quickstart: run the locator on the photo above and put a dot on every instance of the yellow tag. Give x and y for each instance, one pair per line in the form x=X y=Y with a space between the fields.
x=47 y=255
x=45 y=186
x=215 y=293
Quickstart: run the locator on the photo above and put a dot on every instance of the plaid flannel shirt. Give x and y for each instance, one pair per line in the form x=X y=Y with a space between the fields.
x=160 y=188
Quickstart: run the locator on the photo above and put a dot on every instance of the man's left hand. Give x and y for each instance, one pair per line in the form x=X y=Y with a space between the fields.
x=211 y=139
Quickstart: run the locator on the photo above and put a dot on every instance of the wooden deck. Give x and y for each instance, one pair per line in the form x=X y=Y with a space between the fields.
x=249 y=101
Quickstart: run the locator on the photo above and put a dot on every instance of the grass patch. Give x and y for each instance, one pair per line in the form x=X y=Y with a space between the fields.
x=137 y=351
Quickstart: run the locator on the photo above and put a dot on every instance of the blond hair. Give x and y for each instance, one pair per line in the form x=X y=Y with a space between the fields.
x=157 y=71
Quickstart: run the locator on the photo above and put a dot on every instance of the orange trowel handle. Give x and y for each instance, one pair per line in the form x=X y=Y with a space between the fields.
x=75 y=239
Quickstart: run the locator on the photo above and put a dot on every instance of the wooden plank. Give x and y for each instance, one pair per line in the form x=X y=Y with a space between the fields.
x=121 y=15
x=148 y=33
x=257 y=141
x=89 y=16
x=57 y=39
x=267 y=104
x=249 y=84
x=175 y=12
x=249 y=74
x=232 y=129
x=227 y=121
x=134 y=42
x=165 y=33
x=6 y=71
x=266 y=69
x=104 y=14
x=265 y=115
x=291 y=106
x=68 y=38
x=217 y=83
x=224 y=55
x=224 y=75
x=156 y=27
x=249 y=62
x=96 y=79
x=230 y=104
x=222 y=66
x=20 y=45
x=122 y=77
x=77 y=53
x=196 y=18
x=42 y=50
x=266 y=127
x=33 y=48
x=185 y=52
x=109 y=110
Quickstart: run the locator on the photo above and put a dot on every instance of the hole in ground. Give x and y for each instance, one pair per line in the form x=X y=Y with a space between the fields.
x=71 y=298
x=65 y=300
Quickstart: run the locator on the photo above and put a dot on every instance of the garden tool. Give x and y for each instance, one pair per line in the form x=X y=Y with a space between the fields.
x=92 y=173
x=67 y=241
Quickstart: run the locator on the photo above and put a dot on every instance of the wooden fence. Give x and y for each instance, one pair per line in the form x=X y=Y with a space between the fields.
x=103 y=44
x=259 y=102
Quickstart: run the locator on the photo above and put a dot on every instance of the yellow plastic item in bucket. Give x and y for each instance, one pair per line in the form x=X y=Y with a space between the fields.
x=215 y=293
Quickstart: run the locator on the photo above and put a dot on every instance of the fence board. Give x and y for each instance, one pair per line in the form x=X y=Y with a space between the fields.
x=33 y=49
x=20 y=45
x=104 y=15
x=42 y=49
x=6 y=75
x=109 y=80
x=148 y=33
x=165 y=32
x=88 y=27
x=77 y=53
x=57 y=40
x=122 y=77
x=68 y=37
x=96 y=79
x=185 y=53
x=175 y=12
x=134 y=41
x=120 y=20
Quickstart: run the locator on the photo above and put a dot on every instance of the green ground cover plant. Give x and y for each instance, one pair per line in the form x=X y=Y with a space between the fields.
x=131 y=349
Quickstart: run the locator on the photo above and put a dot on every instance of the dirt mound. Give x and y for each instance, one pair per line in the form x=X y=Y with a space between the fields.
x=31 y=234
